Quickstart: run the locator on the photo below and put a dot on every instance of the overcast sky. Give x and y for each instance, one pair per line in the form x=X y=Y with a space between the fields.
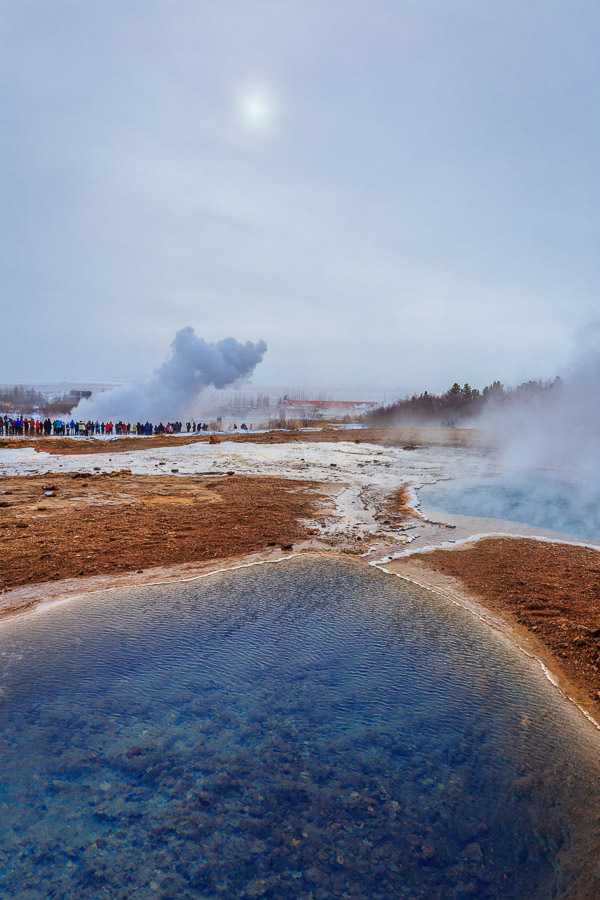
x=393 y=192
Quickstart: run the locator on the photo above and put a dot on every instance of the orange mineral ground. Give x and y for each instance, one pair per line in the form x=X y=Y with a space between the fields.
x=96 y=524
x=407 y=437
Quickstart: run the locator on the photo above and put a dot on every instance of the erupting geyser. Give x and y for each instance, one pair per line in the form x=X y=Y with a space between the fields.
x=170 y=393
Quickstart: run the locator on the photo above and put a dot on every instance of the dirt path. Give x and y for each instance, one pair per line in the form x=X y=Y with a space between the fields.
x=410 y=438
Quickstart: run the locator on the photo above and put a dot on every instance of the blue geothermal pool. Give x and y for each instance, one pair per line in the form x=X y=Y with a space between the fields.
x=311 y=729
x=538 y=498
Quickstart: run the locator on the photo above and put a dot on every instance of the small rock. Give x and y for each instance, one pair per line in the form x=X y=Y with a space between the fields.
x=468 y=889
x=525 y=786
x=472 y=852
x=427 y=851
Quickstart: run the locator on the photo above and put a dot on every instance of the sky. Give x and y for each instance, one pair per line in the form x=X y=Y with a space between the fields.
x=400 y=193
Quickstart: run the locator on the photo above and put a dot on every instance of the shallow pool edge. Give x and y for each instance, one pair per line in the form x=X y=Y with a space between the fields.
x=558 y=679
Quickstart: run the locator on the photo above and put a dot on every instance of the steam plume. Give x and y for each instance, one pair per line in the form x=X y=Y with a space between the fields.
x=550 y=452
x=563 y=431
x=170 y=393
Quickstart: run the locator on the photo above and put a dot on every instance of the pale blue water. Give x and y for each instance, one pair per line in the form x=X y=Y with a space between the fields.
x=311 y=729
x=536 y=498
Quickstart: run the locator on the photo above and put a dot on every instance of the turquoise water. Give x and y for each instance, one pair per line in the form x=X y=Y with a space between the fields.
x=311 y=729
x=540 y=499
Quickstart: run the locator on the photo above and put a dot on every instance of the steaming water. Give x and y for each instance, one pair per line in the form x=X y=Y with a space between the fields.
x=302 y=730
x=536 y=498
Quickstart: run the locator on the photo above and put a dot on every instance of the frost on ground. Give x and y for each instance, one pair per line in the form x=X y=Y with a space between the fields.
x=361 y=478
x=361 y=475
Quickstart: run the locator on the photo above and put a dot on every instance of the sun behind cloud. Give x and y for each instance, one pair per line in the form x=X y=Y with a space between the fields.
x=257 y=107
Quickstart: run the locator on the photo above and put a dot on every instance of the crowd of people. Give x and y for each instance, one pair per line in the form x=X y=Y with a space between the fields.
x=30 y=427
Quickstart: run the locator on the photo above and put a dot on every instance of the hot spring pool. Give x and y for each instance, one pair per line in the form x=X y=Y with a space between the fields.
x=537 y=498
x=311 y=729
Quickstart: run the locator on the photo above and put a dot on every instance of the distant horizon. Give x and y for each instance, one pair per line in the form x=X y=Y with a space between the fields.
x=365 y=392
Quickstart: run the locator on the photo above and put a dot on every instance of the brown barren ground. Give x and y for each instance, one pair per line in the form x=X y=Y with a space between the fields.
x=409 y=438
x=99 y=524
x=550 y=590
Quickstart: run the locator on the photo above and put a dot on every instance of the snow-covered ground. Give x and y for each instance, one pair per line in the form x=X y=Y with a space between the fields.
x=363 y=463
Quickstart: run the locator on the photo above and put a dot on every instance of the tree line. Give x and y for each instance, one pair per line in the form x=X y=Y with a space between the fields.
x=458 y=404
x=21 y=397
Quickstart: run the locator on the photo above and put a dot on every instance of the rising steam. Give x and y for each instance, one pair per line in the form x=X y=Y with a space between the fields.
x=550 y=452
x=561 y=430
x=171 y=392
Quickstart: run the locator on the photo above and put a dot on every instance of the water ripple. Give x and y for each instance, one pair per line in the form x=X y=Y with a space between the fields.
x=312 y=729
